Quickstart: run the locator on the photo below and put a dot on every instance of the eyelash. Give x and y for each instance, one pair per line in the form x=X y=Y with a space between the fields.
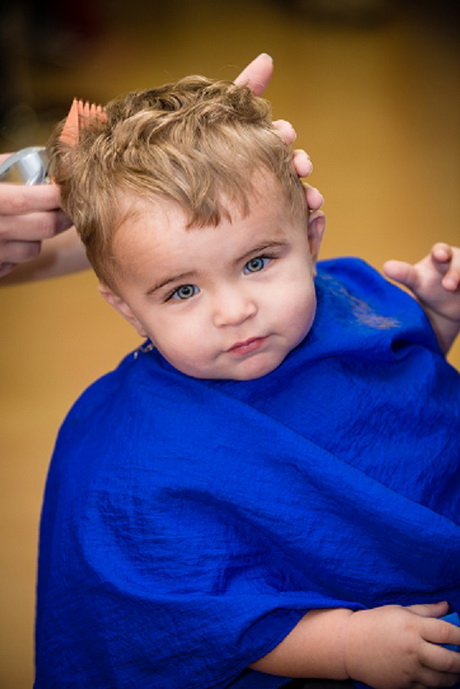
x=174 y=294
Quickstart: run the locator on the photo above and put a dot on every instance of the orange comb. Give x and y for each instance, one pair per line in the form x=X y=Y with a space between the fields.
x=80 y=115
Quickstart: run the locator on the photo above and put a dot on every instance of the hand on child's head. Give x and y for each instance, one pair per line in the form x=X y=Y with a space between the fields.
x=302 y=163
x=286 y=131
x=257 y=74
x=304 y=167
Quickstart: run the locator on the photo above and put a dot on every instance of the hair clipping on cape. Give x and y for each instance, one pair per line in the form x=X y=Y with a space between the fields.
x=80 y=115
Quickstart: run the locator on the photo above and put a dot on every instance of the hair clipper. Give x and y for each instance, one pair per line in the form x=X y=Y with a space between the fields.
x=27 y=166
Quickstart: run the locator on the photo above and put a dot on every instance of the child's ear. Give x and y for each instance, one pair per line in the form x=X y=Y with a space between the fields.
x=316 y=229
x=122 y=307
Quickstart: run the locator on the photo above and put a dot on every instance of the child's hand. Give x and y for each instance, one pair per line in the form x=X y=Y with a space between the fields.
x=393 y=647
x=435 y=282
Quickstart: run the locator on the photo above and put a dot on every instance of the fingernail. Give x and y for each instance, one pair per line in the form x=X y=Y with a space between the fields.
x=266 y=55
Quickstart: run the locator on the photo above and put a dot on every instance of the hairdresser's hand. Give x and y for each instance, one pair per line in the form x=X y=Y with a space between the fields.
x=256 y=76
x=28 y=215
x=435 y=282
x=302 y=164
x=393 y=647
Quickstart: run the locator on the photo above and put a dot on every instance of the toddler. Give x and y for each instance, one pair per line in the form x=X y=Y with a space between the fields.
x=269 y=487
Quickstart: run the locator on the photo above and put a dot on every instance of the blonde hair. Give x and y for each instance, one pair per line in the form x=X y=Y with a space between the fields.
x=195 y=142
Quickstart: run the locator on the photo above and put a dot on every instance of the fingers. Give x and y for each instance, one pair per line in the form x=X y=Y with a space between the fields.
x=429 y=609
x=434 y=682
x=447 y=260
x=19 y=252
x=430 y=678
x=402 y=272
x=445 y=633
x=441 y=252
x=441 y=266
x=302 y=163
x=21 y=235
x=304 y=167
x=257 y=74
x=285 y=130
x=19 y=199
x=441 y=257
x=440 y=666
x=451 y=281
x=12 y=253
x=315 y=199
x=32 y=227
x=28 y=215
x=6 y=268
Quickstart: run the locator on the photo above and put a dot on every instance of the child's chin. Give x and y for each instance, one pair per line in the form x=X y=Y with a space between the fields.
x=255 y=367
x=249 y=368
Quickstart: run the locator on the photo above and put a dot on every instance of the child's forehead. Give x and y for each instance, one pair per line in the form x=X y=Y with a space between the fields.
x=262 y=188
x=164 y=223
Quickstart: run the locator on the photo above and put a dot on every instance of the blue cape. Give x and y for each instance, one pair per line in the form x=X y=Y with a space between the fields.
x=188 y=525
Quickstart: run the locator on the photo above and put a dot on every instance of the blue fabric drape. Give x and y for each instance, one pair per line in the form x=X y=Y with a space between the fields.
x=188 y=525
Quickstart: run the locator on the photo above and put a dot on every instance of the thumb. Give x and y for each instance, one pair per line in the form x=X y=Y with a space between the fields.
x=429 y=609
x=257 y=74
x=402 y=272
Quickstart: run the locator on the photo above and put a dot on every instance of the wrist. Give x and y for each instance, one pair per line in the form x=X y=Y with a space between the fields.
x=445 y=328
x=314 y=648
x=346 y=643
x=330 y=628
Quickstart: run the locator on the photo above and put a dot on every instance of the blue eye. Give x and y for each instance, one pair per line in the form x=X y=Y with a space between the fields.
x=184 y=292
x=255 y=265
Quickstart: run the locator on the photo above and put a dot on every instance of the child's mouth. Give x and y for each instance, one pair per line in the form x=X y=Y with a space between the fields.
x=247 y=346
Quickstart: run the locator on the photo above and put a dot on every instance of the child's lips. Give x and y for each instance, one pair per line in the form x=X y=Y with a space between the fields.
x=248 y=346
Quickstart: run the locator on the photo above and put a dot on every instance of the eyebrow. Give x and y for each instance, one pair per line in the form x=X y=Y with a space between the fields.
x=259 y=248
x=174 y=278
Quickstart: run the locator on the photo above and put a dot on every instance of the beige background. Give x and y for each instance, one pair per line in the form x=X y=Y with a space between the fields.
x=376 y=104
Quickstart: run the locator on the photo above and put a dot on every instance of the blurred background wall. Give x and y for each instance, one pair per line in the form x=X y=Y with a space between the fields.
x=373 y=88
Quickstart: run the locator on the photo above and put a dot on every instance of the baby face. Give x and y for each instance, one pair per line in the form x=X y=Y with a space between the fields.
x=218 y=302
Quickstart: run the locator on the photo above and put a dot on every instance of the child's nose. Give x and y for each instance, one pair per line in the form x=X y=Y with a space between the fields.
x=232 y=308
